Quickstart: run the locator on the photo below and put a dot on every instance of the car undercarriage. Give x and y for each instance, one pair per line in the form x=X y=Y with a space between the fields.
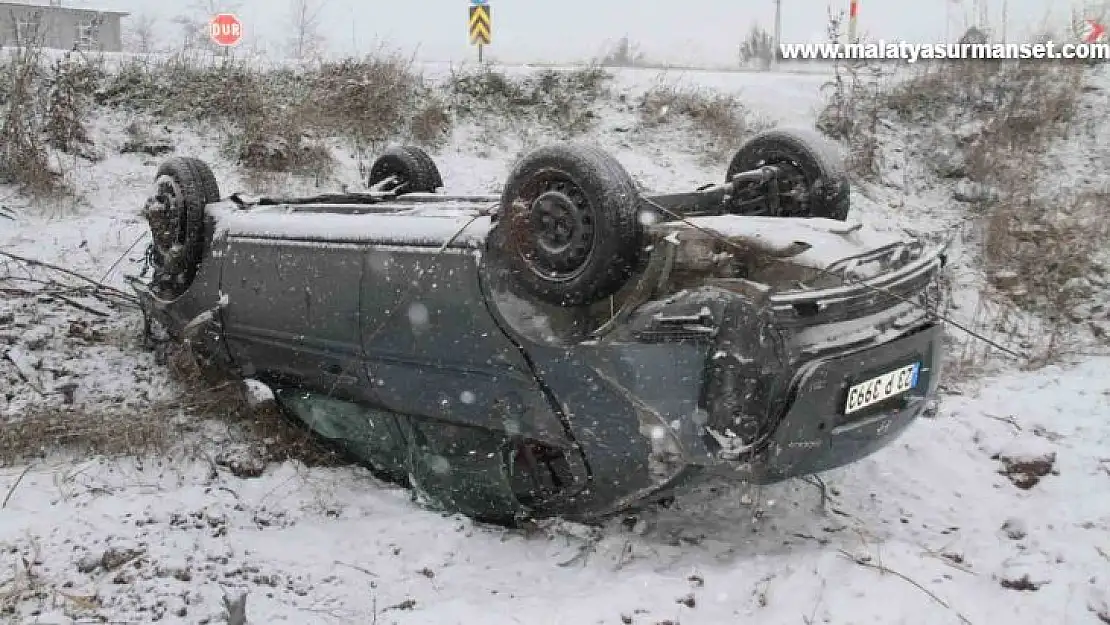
x=573 y=346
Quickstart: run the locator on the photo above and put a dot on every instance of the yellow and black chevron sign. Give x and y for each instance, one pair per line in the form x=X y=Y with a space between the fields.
x=481 y=27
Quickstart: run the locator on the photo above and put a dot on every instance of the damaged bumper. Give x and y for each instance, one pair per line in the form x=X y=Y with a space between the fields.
x=756 y=389
x=812 y=431
x=816 y=433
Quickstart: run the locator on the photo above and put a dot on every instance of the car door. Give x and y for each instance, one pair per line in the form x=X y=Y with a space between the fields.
x=292 y=317
x=432 y=349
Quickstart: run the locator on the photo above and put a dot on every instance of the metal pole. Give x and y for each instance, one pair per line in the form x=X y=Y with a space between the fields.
x=480 y=46
x=1005 y=18
x=947 y=21
x=778 y=31
x=853 y=10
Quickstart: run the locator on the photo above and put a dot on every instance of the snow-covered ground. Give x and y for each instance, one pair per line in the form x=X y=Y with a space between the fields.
x=337 y=546
x=941 y=527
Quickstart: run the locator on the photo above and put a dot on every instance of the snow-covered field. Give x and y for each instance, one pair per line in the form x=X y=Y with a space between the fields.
x=941 y=527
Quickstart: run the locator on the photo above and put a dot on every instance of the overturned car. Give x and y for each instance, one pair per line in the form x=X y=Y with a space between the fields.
x=573 y=346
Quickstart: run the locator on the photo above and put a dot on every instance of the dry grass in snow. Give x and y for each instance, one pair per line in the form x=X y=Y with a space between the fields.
x=990 y=134
x=151 y=492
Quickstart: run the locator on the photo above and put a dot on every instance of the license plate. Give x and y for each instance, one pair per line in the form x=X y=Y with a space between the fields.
x=880 y=387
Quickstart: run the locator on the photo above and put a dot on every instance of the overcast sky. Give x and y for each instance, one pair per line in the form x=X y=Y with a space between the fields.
x=703 y=31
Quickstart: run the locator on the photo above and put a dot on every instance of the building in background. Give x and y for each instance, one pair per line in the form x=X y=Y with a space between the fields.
x=65 y=28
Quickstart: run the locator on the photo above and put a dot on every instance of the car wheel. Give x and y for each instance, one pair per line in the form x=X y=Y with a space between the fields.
x=814 y=180
x=183 y=186
x=571 y=228
x=207 y=180
x=411 y=166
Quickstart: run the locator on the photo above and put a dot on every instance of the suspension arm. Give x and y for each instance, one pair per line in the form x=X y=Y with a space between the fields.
x=711 y=200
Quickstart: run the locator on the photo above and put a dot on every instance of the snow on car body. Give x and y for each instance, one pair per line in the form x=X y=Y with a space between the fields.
x=582 y=349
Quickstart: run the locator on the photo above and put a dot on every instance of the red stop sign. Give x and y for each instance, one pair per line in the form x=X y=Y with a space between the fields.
x=226 y=29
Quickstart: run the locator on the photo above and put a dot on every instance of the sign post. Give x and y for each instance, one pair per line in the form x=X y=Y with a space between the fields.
x=1093 y=32
x=480 y=25
x=226 y=31
x=853 y=11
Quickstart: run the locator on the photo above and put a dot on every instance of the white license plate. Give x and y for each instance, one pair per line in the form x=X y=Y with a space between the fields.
x=878 y=388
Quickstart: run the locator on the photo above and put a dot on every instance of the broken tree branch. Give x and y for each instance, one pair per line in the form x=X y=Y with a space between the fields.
x=1010 y=421
x=62 y=294
x=73 y=274
x=357 y=568
x=14 y=486
x=25 y=370
x=884 y=569
x=82 y=306
x=119 y=260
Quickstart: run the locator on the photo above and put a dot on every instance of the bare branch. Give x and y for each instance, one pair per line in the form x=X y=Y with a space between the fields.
x=99 y=286
x=141 y=37
x=305 y=42
x=883 y=569
x=14 y=486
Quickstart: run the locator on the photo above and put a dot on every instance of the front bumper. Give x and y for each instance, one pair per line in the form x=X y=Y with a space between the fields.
x=814 y=434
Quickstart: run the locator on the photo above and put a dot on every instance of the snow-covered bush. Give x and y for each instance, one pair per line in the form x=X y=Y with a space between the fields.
x=24 y=154
x=852 y=109
x=70 y=83
x=982 y=128
x=560 y=100
x=720 y=121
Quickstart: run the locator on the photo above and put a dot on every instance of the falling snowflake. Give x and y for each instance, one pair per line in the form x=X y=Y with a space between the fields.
x=379 y=262
x=701 y=416
x=439 y=464
x=418 y=315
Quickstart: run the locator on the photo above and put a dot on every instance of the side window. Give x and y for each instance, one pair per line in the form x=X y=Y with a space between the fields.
x=461 y=469
x=371 y=436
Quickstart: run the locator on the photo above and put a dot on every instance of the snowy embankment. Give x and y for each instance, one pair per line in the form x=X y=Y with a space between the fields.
x=336 y=546
x=987 y=512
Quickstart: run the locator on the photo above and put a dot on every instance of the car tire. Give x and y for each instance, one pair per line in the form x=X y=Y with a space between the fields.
x=413 y=166
x=183 y=186
x=571 y=231
x=209 y=187
x=813 y=168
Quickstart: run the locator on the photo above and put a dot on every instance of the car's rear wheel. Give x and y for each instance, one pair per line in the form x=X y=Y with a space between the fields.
x=571 y=233
x=813 y=179
x=412 y=171
x=183 y=186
